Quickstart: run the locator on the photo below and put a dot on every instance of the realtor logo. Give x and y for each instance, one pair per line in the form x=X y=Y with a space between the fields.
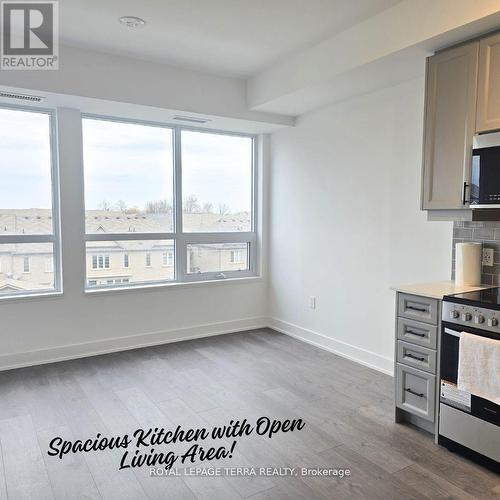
x=29 y=35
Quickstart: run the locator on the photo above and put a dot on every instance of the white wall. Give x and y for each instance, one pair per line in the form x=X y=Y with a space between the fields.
x=345 y=222
x=119 y=79
x=74 y=325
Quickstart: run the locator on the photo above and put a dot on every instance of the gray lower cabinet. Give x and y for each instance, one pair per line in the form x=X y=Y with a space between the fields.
x=416 y=332
x=415 y=391
x=417 y=356
x=416 y=359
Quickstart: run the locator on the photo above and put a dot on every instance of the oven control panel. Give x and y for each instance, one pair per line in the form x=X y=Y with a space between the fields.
x=475 y=317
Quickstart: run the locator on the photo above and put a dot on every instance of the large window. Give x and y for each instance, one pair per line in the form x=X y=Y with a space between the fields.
x=28 y=207
x=216 y=182
x=159 y=197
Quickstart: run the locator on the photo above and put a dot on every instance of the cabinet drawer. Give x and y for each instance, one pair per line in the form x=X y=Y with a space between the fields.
x=416 y=356
x=417 y=333
x=418 y=308
x=415 y=391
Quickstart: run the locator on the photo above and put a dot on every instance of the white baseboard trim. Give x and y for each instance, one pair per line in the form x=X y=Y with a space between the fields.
x=74 y=351
x=357 y=354
x=106 y=346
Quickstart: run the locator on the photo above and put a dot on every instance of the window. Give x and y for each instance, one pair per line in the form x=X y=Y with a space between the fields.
x=28 y=203
x=168 y=258
x=237 y=257
x=135 y=274
x=128 y=177
x=49 y=265
x=216 y=258
x=130 y=207
x=100 y=261
x=216 y=182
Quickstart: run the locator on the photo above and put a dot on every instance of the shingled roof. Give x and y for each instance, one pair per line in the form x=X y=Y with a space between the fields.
x=39 y=221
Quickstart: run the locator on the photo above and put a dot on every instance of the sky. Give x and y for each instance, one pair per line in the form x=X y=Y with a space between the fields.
x=134 y=163
x=25 y=179
x=123 y=161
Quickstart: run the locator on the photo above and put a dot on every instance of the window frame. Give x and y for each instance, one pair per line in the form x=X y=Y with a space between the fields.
x=182 y=240
x=55 y=237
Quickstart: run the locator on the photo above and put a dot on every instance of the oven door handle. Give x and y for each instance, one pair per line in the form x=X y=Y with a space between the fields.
x=452 y=332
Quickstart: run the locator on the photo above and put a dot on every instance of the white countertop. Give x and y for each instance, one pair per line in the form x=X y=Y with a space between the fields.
x=437 y=290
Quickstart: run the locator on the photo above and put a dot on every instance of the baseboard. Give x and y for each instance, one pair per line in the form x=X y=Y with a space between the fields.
x=357 y=354
x=105 y=346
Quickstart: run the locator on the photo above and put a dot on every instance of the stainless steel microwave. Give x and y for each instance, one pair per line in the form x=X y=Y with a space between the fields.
x=485 y=172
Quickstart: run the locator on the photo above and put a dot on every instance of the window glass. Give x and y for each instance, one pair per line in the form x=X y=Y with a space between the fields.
x=26 y=203
x=145 y=262
x=25 y=173
x=216 y=182
x=128 y=177
x=129 y=190
x=205 y=258
x=24 y=268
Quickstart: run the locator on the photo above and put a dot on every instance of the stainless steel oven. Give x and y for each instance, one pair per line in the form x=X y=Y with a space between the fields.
x=468 y=424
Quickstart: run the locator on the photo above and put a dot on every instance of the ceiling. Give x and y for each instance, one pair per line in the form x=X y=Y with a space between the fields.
x=235 y=38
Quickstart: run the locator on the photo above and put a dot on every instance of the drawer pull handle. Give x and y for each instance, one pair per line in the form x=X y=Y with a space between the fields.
x=411 y=391
x=419 y=309
x=415 y=333
x=410 y=355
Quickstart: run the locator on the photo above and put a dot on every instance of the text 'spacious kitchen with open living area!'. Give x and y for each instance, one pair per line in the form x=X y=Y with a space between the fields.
x=250 y=249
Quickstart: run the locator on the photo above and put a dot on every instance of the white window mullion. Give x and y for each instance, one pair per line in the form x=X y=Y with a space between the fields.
x=129 y=236
x=219 y=237
x=180 y=243
x=27 y=238
x=70 y=155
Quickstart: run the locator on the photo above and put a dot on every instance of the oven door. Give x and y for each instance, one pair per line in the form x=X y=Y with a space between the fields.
x=449 y=393
x=485 y=178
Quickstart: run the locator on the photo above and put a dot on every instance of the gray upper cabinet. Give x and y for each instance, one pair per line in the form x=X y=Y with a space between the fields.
x=488 y=99
x=449 y=125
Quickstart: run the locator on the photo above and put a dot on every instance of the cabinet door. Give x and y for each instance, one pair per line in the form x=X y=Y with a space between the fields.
x=488 y=98
x=450 y=110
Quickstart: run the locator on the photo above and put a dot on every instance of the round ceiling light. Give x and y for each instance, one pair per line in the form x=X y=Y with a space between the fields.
x=132 y=21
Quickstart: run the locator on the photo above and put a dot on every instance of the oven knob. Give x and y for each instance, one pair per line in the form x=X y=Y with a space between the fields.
x=454 y=314
x=479 y=319
x=466 y=316
x=492 y=322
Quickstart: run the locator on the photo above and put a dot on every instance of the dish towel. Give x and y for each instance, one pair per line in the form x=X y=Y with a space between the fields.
x=479 y=366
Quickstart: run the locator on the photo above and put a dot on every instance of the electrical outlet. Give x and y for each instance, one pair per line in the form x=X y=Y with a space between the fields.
x=312 y=302
x=488 y=256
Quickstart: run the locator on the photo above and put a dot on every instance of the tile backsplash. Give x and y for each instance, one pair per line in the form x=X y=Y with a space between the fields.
x=487 y=233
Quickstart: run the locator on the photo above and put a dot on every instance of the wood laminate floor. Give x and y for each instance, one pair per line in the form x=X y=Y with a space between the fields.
x=348 y=410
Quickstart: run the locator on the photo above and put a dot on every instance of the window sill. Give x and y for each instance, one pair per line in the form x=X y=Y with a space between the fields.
x=174 y=285
x=31 y=296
